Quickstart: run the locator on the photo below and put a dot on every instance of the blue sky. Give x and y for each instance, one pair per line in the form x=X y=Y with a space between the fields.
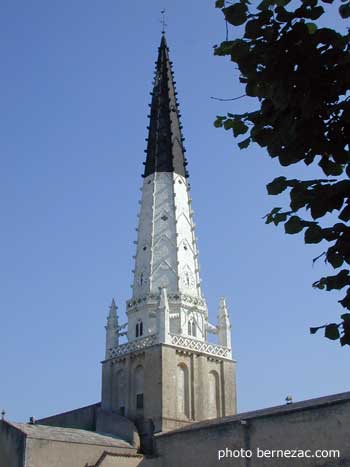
x=74 y=88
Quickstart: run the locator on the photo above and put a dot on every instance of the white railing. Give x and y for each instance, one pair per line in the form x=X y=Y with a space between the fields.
x=205 y=347
x=132 y=346
x=180 y=341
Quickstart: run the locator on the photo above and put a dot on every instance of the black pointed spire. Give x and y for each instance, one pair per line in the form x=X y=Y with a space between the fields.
x=165 y=152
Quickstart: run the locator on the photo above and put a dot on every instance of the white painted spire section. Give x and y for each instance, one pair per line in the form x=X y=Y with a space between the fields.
x=166 y=260
x=166 y=246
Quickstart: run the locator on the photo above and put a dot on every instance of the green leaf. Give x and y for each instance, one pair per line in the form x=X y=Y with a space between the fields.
x=338 y=281
x=320 y=284
x=313 y=234
x=265 y=4
x=283 y=15
x=253 y=29
x=311 y=27
x=239 y=127
x=318 y=208
x=344 y=10
x=228 y=124
x=275 y=210
x=219 y=3
x=262 y=136
x=236 y=14
x=271 y=216
x=277 y=186
x=299 y=197
x=345 y=338
x=329 y=167
x=244 y=144
x=345 y=302
x=239 y=49
x=293 y=225
x=334 y=258
x=224 y=48
x=219 y=121
x=345 y=214
x=315 y=12
x=332 y=331
x=281 y=217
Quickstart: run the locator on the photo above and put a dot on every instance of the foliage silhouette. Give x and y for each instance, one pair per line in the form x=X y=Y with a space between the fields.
x=300 y=74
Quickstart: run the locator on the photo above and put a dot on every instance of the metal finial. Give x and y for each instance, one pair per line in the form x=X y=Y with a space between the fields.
x=3 y=413
x=289 y=399
x=162 y=21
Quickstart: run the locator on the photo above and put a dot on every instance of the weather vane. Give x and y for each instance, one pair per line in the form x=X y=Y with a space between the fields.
x=163 y=23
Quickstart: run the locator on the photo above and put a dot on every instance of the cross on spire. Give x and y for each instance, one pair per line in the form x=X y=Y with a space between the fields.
x=163 y=23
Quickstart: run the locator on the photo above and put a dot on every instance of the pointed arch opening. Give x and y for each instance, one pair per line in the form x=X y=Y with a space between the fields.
x=214 y=395
x=194 y=329
x=139 y=328
x=139 y=378
x=120 y=392
x=191 y=327
x=182 y=391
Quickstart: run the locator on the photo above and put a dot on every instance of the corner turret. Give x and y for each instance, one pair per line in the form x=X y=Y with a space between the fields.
x=112 y=337
x=224 y=325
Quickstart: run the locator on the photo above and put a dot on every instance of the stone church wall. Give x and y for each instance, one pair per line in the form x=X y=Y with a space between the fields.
x=83 y=418
x=12 y=446
x=320 y=424
x=93 y=418
x=49 y=453
x=115 y=460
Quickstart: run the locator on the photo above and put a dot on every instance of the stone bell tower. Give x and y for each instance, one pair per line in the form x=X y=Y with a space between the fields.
x=167 y=370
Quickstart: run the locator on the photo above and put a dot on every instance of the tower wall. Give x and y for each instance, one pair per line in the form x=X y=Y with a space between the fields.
x=180 y=386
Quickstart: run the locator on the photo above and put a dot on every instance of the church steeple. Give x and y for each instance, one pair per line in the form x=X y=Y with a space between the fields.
x=166 y=254
x=166 y=369
x=165 y=151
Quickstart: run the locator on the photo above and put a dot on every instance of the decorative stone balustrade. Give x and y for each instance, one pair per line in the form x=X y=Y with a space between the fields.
x=200 y=346
x=180 y=341
x=133 y=346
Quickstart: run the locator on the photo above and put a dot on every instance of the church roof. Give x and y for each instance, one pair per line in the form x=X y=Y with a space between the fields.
x=285 y=409
x=165 y=151
x=70 y=435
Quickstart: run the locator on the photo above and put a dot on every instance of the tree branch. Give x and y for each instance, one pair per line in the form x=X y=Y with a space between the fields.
x=230 y=99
